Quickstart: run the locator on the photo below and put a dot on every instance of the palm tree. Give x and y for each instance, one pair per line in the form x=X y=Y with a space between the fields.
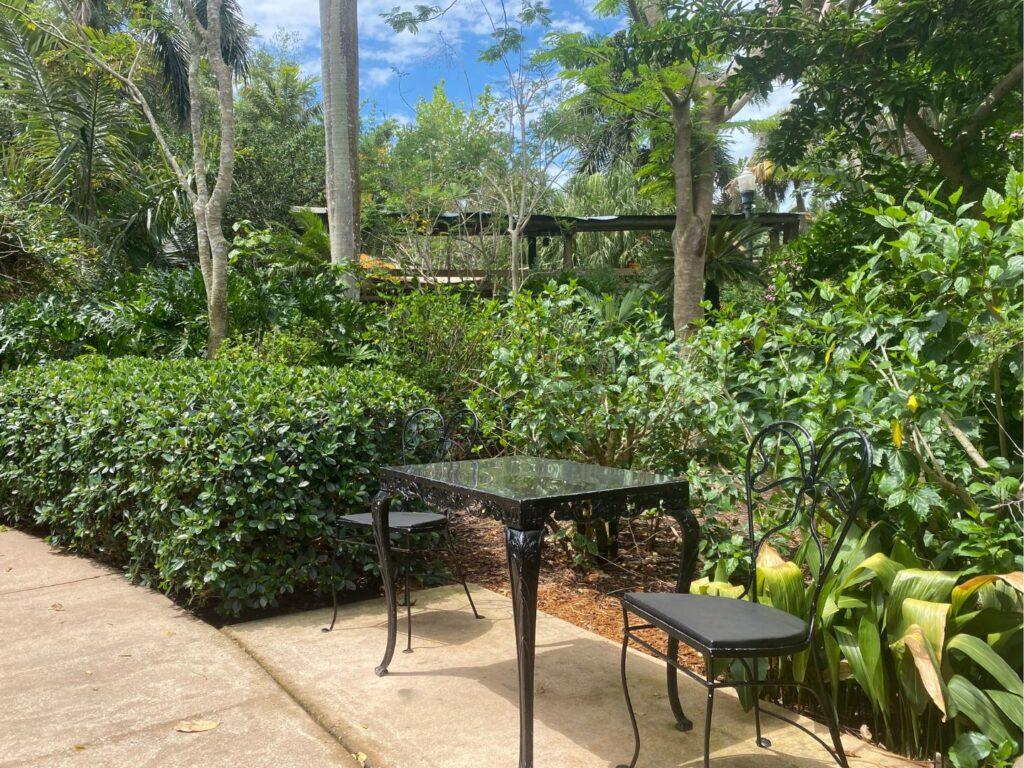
x=340 y=76
x=729 y=258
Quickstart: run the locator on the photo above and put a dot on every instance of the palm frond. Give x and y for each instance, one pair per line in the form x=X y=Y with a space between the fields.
x=234 y=40
x=171 y=51
x=21 y=48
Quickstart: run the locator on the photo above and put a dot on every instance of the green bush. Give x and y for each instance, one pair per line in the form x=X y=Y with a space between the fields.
x=592 y=378
x=217 y=482
x=278 y=285
x=39 y=246
x=441 y=339
x=920 y=346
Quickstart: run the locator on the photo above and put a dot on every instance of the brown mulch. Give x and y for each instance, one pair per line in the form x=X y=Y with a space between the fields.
x=587 y=597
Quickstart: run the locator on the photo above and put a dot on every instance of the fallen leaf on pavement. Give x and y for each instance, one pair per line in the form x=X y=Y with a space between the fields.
x=361 y=759
x=196 y=726
x=56 y=607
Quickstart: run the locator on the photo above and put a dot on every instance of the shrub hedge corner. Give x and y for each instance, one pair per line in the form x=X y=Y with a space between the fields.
x=217 y=482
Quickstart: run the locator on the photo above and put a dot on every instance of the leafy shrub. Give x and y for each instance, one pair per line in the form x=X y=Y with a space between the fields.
x=441 y=339
x=277 y=285
x=218 y=482
x=934 y=657
x=154 y=312
x=38 y=247
x=920 y=346
x=591 y=378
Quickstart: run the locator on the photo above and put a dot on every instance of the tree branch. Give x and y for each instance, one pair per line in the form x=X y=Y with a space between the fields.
x=965 y=441
x=1001 y=90
x=948 y=160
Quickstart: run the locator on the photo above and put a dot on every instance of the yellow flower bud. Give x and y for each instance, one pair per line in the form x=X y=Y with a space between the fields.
x=912 y=403
x=897 y=434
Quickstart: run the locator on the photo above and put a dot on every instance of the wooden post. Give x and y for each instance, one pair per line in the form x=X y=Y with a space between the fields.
x=568 y=250
x=531 y=253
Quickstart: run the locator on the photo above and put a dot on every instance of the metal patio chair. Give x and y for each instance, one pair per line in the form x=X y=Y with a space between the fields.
x=836 y=475
x=427 y=437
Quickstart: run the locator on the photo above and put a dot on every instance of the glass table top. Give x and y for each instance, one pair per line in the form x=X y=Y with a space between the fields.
x=522 y=479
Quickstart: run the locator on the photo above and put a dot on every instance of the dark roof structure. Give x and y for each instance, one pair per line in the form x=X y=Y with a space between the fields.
x=546 y=225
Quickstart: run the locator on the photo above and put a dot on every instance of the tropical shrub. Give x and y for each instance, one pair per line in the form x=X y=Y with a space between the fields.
x=218 y=482
x=919 y=345
x=279 y=284
x=441 y=340
x=155 y=312
x=38 y=247
x=591 y=378
x=929 y=660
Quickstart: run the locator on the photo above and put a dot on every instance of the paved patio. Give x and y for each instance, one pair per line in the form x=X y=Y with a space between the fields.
x=98 y=673
x=452 y=702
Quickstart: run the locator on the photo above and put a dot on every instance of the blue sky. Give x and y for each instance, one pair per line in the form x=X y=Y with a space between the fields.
x=398 y=69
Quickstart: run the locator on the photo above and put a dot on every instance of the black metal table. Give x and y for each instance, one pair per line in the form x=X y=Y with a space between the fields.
x=524 y=493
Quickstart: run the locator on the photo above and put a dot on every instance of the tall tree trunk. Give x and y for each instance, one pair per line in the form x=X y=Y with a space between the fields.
x=689 y=239
x=693 y=169
x=208 y=204
x=218 y=293
x=340 y=62
x=516 y=242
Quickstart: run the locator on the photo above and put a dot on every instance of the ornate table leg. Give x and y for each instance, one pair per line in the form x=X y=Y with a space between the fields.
x=523 y=548
x=687 y=569
x=380 y=507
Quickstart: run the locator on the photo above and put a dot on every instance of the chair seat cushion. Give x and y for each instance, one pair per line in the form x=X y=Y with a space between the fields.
x=413 y=522
x=720 y=624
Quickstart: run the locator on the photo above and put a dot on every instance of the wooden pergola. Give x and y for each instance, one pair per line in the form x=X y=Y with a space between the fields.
x=781 y=227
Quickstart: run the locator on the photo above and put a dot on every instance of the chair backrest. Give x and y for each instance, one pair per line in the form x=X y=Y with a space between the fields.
x=461 y=435
x=427 y=436
x=826 y=483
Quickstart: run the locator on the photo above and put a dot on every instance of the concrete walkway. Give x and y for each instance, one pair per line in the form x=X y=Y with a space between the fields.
x=96 y=672
x=452 y=703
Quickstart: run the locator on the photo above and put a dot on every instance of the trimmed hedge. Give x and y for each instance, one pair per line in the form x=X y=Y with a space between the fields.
x=217 y=482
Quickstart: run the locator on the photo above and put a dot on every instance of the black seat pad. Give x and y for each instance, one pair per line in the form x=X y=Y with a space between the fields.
x=401 y=521
x=719 y=624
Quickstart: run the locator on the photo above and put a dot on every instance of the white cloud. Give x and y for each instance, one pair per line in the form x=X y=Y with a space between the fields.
x=466 y=21
x=570 y=24
x=377 y=76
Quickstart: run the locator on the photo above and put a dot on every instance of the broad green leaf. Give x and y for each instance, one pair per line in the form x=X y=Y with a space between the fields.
x=1011 y=704
x=982 y=654
x=879 y=565
x=863 y=661
x=781 y=581
x=929 y=617
x=933 y=586
x=969 y=750
x=977 y=707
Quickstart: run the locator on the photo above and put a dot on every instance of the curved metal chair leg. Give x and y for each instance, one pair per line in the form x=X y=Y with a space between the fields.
x=707 y=715
x=760 y=740
x=828 y=710
x=629 y=703
x=334 y=591
x=408 y=603
x=460 y=573
x=683 y=723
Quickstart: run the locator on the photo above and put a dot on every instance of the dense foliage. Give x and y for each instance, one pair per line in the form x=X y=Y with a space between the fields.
x=897 y=311
x=280 y=287
x=217 y=482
